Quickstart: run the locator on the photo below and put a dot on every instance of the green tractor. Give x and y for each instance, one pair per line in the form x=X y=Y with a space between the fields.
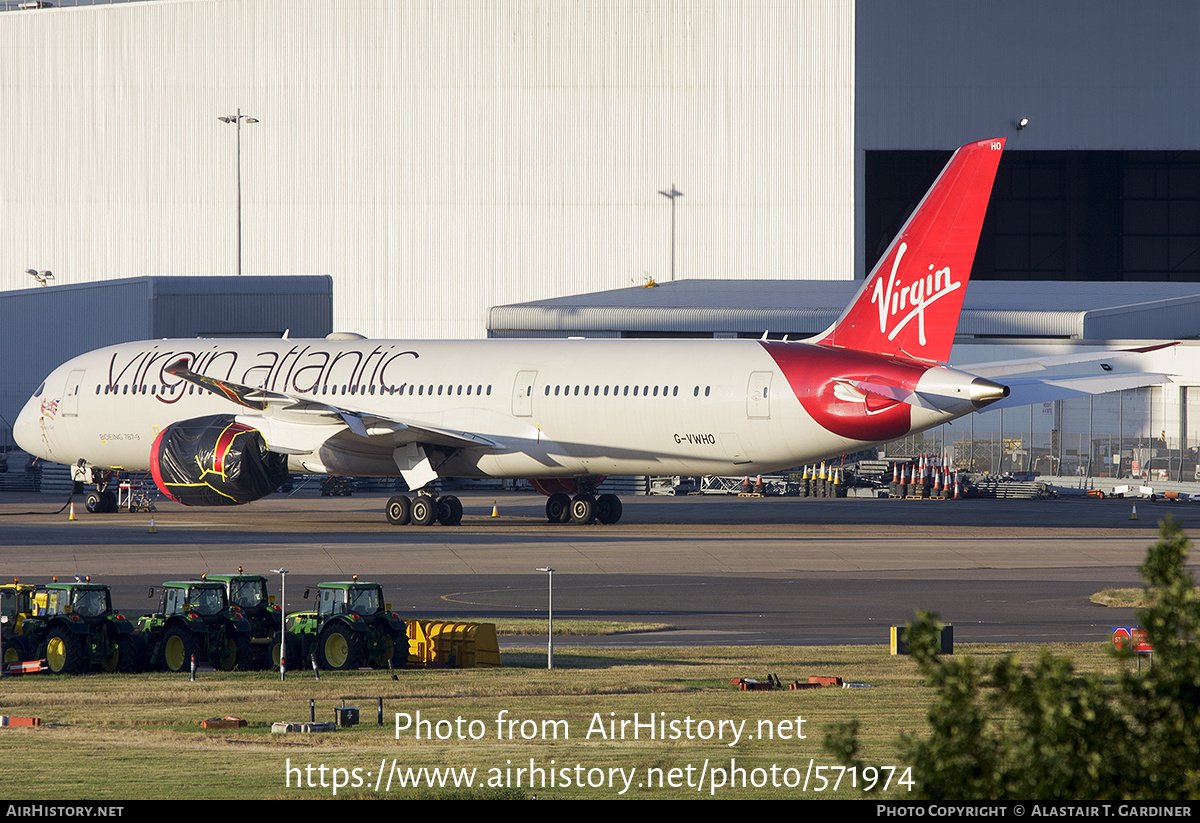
x=249 y=593
x=195 y=619
x=16 y=606
x=74 y=628
x=352 y=627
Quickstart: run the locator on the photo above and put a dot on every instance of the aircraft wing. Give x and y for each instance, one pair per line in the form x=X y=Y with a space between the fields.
x=296 y=425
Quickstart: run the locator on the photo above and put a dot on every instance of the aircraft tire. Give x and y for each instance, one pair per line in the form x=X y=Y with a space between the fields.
x=608 y=509
x=449 y=510
x=583 y=509
x=399 y=510
x=94 y=503
x=558 y=508
x=424 y=510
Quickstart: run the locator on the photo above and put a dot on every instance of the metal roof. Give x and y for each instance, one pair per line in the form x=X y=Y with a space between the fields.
x=1047 y=309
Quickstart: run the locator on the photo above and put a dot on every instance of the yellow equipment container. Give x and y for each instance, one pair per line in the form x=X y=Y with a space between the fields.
x=433 y=644
x=900 y=647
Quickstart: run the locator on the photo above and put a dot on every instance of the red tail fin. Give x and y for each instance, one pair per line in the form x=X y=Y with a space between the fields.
x=910 y=303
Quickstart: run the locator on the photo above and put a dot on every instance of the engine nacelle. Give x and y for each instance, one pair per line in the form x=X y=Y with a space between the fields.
x=215 y=461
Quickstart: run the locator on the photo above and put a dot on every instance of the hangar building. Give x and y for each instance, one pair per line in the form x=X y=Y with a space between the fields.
x=438 y=159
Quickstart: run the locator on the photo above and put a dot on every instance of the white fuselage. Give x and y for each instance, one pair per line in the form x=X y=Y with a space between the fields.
x=550 y=408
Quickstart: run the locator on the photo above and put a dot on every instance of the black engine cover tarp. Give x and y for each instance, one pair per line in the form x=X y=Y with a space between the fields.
x=215 y=461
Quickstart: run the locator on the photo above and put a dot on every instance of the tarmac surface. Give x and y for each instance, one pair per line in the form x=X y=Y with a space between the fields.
x=718 y=570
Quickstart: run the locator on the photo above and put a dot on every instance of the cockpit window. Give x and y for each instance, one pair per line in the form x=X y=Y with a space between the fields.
x=39 y=391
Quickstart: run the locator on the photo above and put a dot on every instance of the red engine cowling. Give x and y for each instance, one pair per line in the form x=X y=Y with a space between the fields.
x=215 y=461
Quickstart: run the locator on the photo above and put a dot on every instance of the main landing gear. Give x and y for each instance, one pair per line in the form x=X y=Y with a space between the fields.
x=583 y=508
x=424 y=510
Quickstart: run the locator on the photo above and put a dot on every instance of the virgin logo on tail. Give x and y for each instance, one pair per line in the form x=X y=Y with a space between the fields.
x=921 y=293
x=942 y=233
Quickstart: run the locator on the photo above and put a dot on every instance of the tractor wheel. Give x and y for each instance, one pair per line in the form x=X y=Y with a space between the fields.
x=179 y=647
x=248 y=659
x=274 y=652
x=132 y=657
x=340 y=648
x=400 y=655
x=232 y=654
x=387 y=648
x=113 y=661
x=293 y=651
x=15 y=650
x=65 y=653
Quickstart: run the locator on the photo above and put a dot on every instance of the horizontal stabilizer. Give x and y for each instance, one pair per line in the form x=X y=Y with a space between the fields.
x=1000 y=368
x=1028 y=390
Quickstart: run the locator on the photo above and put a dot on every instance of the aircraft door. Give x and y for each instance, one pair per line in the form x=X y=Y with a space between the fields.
x=70 y=404
x=758 y=395
x=522 y=402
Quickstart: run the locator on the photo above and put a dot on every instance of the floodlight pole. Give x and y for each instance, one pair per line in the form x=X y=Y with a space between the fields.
x=671 y=195
x=283 y=573
x=550 y=611
x=237 y=120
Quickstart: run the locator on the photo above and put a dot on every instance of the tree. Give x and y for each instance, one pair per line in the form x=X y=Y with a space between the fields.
x=1049 y=732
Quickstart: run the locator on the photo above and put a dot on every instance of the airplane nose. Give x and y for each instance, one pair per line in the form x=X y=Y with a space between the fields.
x=27 y=428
